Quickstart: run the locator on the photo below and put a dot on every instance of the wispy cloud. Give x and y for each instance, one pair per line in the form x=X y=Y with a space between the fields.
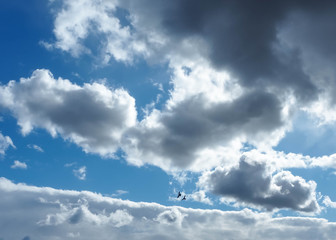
x=36 y=147
x=70 y=164
x=5 y=143
x=119 y=193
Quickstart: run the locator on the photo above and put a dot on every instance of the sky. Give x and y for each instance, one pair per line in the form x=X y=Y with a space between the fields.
x=110 y=108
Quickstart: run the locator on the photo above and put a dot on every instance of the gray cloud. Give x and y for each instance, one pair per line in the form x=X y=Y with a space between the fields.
x=255 y=184
x=254 y=41
x=93 y=116
x=44 y=213
x=242 y=37
x=195 y=124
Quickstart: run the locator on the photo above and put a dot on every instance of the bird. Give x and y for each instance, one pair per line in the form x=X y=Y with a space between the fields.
x=179 y=194
x=184 y=198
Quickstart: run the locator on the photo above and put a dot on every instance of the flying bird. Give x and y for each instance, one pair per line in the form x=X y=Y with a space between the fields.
x=179 y=195
x=184 y=198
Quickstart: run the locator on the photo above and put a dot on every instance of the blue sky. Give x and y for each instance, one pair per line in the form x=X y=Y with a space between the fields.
x=138 y=100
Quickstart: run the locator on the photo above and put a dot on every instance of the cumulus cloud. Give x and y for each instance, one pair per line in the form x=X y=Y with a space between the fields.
x=236 y=78
x=42 y=213
x=83 y=19
x=19 y=165
x=254 y=42
x=221 y=62
x=5 y=142
x=244 y=38
x=200 y=196
x=93 y=116
x=180 y=134
x=328 y=203
x=80 y=173
x=227 y=70
x=256 y=184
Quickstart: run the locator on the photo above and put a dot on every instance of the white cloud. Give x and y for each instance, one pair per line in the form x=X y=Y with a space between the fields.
x=5 y=142
x=92 y=116
x=45 y=213
x=328 y=203
x=70 y=164
x=80 y=173
x=79 y=20
x=36 y=147
x=200 y=196
x=19 y=165
x=119 y=193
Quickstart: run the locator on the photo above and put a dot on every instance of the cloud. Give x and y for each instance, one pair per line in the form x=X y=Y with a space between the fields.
x=92 y=116
x=70 y=164
x=42 y=213
x=5 y=143
x=200 y=196
x=77 y=21
x=256 y=184
x=237 y=78
x=80 y=173
x=177 y=136
x=119 y=193
x=328 y=203
x=244 y=38
x=313 y=35
x=19 y=165
x=36 y=147
x=257 y=44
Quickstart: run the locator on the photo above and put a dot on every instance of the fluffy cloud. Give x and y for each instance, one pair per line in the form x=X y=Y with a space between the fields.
x=180 y=134
x=327 y=201
x=80 y=173
x=221 y=63
x=19 y=165
x=313 y=35
x=257 y=44
x=92 y=116
x=40 y=213
x=254 y=183
x=244 y=38
x=5 y=142
x=83 y=19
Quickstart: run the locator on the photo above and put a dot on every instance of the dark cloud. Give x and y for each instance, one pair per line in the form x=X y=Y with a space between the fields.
x=241 y=36
x=314 y=36
x=255 y=183
x=195 y=124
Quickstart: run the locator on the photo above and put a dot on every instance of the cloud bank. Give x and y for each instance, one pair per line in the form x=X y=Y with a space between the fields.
x=40 y=213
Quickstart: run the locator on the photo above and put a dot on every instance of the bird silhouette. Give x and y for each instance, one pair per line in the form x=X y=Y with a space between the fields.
x=184 y=198
x=179 y=195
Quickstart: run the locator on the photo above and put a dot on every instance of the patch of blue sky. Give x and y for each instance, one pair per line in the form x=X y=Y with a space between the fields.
x=310 y=138
x=307 y=137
